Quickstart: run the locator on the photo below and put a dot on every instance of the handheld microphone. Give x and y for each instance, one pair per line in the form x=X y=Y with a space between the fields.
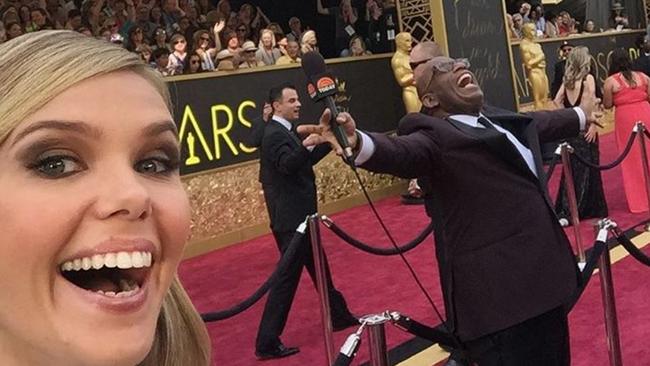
x=322 y=86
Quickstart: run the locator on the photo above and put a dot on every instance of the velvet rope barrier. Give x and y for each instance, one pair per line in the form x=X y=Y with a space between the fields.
x=613 y=164
x=283 y=263
x=635 y=252
x=585 y=276
x=374 y=250
x=552 y=165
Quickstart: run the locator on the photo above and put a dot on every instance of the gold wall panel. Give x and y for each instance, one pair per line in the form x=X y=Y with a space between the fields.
x=231 y=200
x=415 y=17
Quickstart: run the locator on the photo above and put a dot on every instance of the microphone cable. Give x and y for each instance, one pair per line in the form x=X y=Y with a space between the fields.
x=401 y=255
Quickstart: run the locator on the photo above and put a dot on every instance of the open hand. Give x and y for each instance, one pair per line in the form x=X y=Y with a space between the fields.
x=267 y=111
x=218 y=26
x=322 y=133
x=591 y=134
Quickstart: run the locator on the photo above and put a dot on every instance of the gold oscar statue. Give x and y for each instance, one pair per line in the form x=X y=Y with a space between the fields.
x=535 y=63
x=403 y=72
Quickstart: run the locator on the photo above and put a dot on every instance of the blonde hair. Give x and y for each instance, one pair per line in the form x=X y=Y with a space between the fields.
x=40 y=66
x=264 y=31
x=305 y=39
x=578 y=65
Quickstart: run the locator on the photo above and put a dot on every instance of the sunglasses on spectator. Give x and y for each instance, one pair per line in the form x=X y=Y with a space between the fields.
x=413 y=65
x=179 y=41
x=207 y=38
x=241 y=30
x=194 y=62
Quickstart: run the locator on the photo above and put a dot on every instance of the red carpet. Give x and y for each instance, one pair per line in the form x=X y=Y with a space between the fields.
x=373 y=284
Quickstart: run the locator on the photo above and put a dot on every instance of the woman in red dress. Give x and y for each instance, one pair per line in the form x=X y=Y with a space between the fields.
x=627 y=90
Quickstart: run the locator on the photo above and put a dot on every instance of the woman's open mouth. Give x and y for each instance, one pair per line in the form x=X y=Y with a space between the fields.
x=112 y=275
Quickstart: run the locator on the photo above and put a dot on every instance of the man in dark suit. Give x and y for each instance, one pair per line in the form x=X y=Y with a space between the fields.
x=560 y=65
x=288 y=181
x=506 y=266
x=643 y=62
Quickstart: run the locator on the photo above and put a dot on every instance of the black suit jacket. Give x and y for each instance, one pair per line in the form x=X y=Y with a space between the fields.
x=503 y=257
x=642 y=64
x=287 y=177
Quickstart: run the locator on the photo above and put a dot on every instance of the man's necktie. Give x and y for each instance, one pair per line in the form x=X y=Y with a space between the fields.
x=486 y=123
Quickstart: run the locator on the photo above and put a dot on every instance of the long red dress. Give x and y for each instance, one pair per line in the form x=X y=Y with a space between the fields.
x=632 y=106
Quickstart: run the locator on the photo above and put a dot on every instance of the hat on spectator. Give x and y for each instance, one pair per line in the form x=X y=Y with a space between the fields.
x=224 y=54
x=617 y=6
x=248 y=46
x=117 y=38
x=566 y=44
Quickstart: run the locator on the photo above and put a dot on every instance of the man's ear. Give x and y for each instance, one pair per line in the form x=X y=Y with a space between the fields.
x=430 y=101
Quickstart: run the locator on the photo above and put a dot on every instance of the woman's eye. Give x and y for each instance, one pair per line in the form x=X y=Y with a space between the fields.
x=57 y=166
x=154 y=166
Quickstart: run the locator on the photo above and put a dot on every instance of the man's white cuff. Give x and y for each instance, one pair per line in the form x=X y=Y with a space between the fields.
x=367 y=149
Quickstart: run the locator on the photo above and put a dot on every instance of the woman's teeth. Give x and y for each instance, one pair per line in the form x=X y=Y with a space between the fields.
x=127 y=288
x=121 y=260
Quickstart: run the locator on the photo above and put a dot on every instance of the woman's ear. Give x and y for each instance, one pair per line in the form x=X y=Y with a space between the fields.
x=430 y=101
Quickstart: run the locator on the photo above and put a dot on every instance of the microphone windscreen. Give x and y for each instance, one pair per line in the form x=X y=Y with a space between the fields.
x=313 y=64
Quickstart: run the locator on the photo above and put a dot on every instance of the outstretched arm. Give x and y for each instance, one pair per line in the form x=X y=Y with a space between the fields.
x=407 y=156
x=321 y=10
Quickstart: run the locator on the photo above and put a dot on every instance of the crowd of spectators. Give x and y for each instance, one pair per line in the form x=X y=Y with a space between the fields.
x=562 y=24
x=190 y=36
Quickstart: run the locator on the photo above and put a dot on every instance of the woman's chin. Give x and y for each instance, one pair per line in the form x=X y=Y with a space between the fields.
x=109 y=350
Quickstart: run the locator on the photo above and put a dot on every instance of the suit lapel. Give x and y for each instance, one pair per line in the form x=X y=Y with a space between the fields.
x=498 y=144
x=290 y=134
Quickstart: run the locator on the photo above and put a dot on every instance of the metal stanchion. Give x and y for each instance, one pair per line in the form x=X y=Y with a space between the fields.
x=639 y=129
x=565 y=149
x=607 y=292
x=321 y=285
x=377 y=337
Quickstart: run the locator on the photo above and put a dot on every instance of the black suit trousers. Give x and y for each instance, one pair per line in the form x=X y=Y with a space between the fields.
x=278 y=303
x=540 y=341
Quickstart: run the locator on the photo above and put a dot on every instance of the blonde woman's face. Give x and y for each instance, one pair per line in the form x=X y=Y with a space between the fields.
x=267 y=39
x=94 y=223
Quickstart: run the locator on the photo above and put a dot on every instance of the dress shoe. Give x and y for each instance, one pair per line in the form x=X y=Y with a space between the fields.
x=344 y=323
x=277 y=352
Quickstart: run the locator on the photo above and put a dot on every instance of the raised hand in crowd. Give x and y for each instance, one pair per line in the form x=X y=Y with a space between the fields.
x=267 y=112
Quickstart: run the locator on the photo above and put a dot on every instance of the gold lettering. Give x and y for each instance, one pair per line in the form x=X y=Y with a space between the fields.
x=223 y=132
x=188 y=116
x=245 y=122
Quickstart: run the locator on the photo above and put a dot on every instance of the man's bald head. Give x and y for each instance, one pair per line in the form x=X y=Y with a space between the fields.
x=421 y=53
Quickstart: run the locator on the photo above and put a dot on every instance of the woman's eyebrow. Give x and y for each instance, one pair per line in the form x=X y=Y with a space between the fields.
x=161 y=127
x=72 y=126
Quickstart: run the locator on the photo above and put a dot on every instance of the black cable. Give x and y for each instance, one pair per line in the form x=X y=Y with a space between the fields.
x=551 y=168
x=611 y=165
x=375 y=250
x=343 y=360
x=283 y=263
x=458 y=344
x=646 y=133
x=631 y=248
